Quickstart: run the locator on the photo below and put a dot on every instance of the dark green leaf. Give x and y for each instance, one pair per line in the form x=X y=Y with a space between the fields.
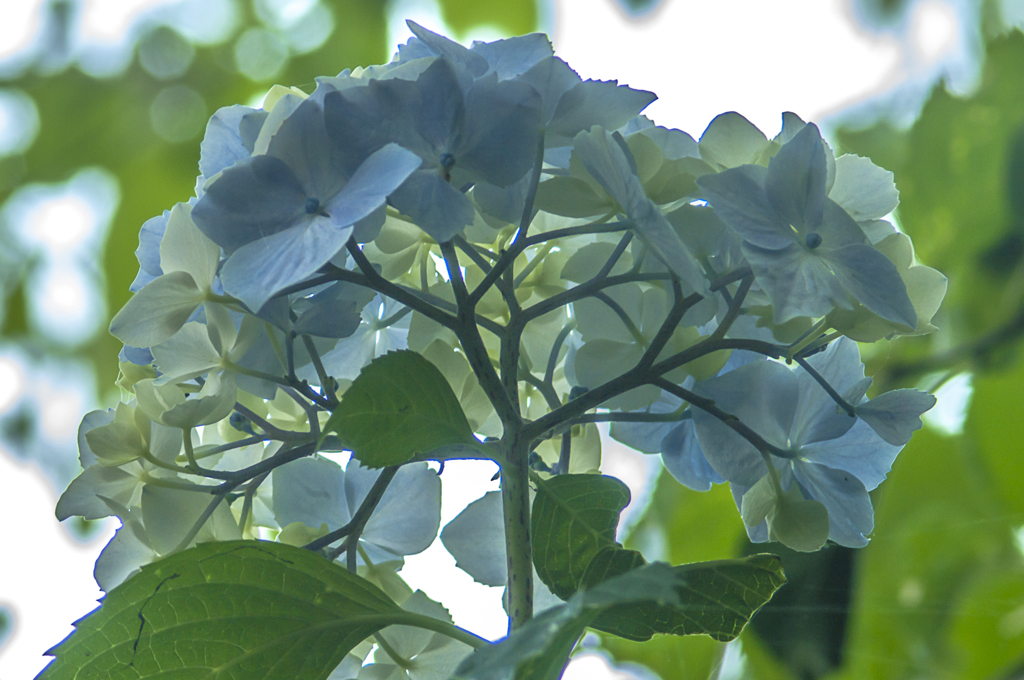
x=399 y=406
x=540 y=649
x=715 y=598
x=237 y=609
x=537 y=651
x=574 y=520
x=574 y=517
x=693 y=526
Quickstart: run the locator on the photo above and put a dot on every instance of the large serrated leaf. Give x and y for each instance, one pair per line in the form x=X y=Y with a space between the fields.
x=540 y=649
x=400 y=406
x=715 y=598
x=229 y=610
x=574 y=517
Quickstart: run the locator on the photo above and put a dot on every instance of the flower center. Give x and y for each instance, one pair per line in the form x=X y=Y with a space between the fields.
x=813 y=240
x=312 y=205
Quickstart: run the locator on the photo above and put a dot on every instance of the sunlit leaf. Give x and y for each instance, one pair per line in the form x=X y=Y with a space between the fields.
x=236 y=609
x=399 y=406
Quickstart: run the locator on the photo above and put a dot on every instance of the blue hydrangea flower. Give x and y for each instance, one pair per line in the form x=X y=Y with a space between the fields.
x=821 y=451
x=464 y=131
x=282 y=215
x=807 y=253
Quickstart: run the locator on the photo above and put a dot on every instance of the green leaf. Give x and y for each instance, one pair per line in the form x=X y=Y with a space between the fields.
x=234 y=609
x=540 y=649
x=537 y=651
x=399 y=407
x=574 y=517
x=656 y=593
x=714 y=598
x=574 y=520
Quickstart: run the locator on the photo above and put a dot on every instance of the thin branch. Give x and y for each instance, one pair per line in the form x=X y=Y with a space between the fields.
x=565 y=454
x=361 y=516
x=556 y=350
x=321 y=372
x=728 y=419
x=385 y=287
x=836 y=397
x=635 y=377
x=587 y=289
x=311 y=413
x=630 y=417
x=273 y=432
x=680 y=305
x=468 y=333
x=735 y=307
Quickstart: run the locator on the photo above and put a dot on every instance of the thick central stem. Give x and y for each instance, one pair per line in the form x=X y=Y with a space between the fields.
x=515 y=498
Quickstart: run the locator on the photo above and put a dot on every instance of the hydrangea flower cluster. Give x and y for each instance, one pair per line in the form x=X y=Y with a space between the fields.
x=559 y=259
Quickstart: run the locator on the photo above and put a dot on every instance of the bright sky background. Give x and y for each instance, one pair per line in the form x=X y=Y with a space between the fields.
x=701 y=58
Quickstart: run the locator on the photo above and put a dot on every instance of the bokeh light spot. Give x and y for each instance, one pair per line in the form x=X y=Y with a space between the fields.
x=165 y=54
x=260 y=54
x=19 y=121
x=178 y=114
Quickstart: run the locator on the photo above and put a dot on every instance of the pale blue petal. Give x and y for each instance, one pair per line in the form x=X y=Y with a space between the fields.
x=476 y=539
x=875 y=282
x=860 y=452
x=896 y=415
x=850 y=514
x=505 y=203
x=838 y=229
x=552 y=78
x=798 y=281
x=434 y=205
x=302 y=143
x=684 y=459
x=795 y=181
x=252 y=199
x=758 y=533
x=817 y=417
x=501 y=131
x=436 y=105
x=148 y=252
x=408 y=516
x=311 y=491
x=230 y=136
x=763 y=396
x=377 y=176
x=737 y=195
x=257 y=271
x=595 y=102
x=334 y=312
x=646 y=437
x=445 y=47
x=511 y=57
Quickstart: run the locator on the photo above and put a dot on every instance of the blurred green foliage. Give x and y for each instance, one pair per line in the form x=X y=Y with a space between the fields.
x=939 y=592
x=106 y=122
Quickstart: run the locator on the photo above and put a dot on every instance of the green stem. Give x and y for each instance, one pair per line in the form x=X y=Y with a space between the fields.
x=405 y=618
x=515 y=499
x=400 y=661
x=806 y=339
